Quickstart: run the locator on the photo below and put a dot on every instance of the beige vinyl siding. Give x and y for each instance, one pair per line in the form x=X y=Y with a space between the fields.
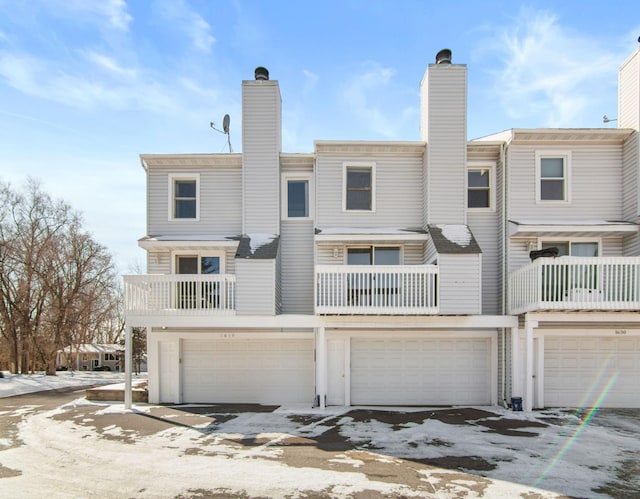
x=595 y=183
x=398 y=192
x=630 y=172
x=412 y=252
x=159 y=262
x=459 y=284
x=220 y=202
x=518 y=253
x=501 y=227
x=261 y=144
x=611 y=246
x=256 y=287
x=629 y=93
x=446 y=90
x=296 y=246
x=484 y=226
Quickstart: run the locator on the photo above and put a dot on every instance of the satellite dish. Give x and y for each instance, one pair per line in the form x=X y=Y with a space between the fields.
x=225 y=123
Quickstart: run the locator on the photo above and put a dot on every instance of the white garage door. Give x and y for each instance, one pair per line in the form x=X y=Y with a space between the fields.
x=421 y=371
x=248 y=371
x=590 y=371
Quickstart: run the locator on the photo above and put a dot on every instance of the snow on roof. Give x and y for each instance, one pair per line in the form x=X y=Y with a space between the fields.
x=571 y=222
x=191 y=237
x=258 y=246
x=457 y=234
x=94 y=348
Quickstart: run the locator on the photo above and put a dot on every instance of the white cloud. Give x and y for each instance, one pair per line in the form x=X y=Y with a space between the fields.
x=548 y=72
x=371 y=97
x=311 y=79
x=190 y=23
x=114 y=12
x=109 y=64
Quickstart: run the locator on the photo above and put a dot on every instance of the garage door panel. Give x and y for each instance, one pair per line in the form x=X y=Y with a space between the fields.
x=424 y=371
x=602 y=371
x=248 y=371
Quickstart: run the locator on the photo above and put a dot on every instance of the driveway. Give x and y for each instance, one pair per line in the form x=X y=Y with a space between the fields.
x=61 y=444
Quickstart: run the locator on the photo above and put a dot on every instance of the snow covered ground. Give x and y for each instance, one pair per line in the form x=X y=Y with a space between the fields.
x=18 y=384
x=85 y=449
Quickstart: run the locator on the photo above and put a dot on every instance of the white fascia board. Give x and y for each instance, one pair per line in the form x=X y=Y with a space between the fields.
x=586 y=317
x=148 y=244
x=320 y=238
x=329 y=322
x=533 y=230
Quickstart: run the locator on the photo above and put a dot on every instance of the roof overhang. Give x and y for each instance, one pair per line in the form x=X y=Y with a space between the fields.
x=195 y=241
x=370 y=235
x=595 y=228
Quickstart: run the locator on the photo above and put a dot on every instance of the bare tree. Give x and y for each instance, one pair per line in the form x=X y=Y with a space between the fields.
x=58 y=286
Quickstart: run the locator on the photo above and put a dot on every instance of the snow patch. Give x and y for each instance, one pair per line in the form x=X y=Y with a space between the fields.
x=258 y=240
x=457 y=234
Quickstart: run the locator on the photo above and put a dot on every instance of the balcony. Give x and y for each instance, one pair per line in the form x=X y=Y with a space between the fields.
x=376 y=289
x=180 y=294
x=576 y=283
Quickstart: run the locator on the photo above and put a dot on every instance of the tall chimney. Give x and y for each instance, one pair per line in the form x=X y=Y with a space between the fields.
x=443 y=96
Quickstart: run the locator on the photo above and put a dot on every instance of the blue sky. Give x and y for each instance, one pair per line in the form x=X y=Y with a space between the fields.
x=88 y=85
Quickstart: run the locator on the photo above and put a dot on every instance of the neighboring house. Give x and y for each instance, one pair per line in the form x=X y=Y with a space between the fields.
x=90 y=357
x=397 y=273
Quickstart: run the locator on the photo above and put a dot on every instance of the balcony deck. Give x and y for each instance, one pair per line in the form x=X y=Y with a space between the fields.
x=180 y=294
x=376 y=289
x=576 y=284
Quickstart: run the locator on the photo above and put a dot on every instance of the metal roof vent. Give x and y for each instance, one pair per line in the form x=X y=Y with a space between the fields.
x=443 y=57
x=261 y=73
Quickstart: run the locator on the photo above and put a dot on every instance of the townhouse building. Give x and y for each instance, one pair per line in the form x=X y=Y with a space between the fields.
x=444 y=271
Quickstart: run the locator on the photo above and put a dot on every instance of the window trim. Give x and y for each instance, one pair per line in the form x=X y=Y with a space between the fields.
x=371 y=165
x=566 y=157
x=482 y=165
x=173 y=177
x=199 y=254
x=571 y=240
x=284 y=201
x=372 y=247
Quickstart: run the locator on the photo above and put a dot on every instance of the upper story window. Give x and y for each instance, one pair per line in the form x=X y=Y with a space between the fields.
x=184 y=200
x=480 y=186
x=297 y=196
x=552 y=172
x=359 y=186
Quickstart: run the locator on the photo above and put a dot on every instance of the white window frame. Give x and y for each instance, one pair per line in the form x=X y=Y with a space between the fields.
x=482 y=165
x=571 y=240
x=172 y=182
x=373 y=247
x=566 y=156
x=284 y=205
x=359 y=165
x=199 y=254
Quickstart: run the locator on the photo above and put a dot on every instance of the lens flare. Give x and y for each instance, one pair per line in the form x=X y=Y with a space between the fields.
x=579 y=428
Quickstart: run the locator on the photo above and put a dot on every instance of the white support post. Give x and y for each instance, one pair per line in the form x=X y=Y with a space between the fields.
x=516 y=368
x=128 y=366
x=528 y=371
x=321 y=367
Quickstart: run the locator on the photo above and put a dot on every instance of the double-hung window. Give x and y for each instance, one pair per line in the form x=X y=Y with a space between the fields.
x=480 y=187
x=183 y=197
x=553 y=177
x=359 y=187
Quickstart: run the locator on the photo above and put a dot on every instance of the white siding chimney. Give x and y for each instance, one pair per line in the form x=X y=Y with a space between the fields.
x=443 y=125
x=629 y=92
x=261 y=146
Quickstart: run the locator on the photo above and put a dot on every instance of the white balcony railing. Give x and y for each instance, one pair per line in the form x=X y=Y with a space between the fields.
x=180 y=294
x=376 y=289
x=576 y=283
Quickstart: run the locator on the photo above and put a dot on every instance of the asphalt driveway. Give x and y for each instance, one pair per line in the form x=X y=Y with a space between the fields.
x=58 y=443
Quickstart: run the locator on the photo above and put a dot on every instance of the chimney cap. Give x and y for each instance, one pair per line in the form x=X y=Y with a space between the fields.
x=443 y=57
x=261 y=73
